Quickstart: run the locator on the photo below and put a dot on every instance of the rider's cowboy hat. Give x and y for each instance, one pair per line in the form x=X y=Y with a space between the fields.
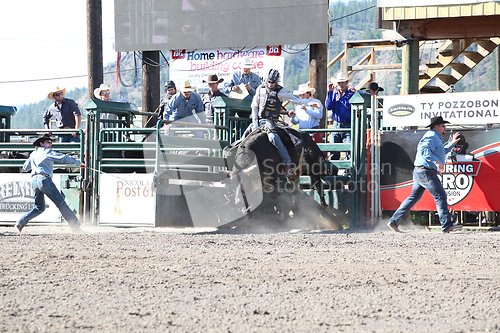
x=341 y=77
x=436 y=121
x=373 y=86
x=247 y=63
x=102 y=87
x=212 y=78
x=304 y=88
x=42 y=138
x=186 y=86
x=51 y=94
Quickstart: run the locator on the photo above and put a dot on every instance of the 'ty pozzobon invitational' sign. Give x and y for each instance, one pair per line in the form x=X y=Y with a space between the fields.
x=471 y=178
x=458 y=108
x=196 y=65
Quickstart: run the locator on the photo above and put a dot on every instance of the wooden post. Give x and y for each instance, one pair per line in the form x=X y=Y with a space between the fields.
x=150 y=83
x=409 y=79
x=95 y=78
x=94 y=46
x=318 y=54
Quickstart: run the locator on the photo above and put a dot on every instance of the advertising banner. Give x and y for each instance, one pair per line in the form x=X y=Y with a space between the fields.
x=16 y=198
x=127 y=200
x=471 y=177
x=473 y=108
x=198 y=64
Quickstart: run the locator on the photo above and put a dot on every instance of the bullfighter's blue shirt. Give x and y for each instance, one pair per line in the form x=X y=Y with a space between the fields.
x=42 y=160
x=431 y=149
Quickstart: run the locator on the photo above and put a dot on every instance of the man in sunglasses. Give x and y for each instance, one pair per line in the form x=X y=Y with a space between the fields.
x=66 y=113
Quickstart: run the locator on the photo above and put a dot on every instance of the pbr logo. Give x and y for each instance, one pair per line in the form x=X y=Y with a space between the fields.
x=273 y=50
x=178 y=54
x=459 y=173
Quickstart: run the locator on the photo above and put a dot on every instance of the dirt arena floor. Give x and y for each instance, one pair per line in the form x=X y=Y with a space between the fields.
x=191 y=280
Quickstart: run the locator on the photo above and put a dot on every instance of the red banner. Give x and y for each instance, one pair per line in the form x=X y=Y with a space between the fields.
x=471 y=181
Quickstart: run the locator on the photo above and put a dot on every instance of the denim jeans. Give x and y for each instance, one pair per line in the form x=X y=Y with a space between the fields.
x=341 y=137
x=275 y=139
x=42 y=186
x=69 y=138
x=424 y=179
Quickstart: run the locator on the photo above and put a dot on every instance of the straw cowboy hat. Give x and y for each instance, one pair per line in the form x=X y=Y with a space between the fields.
x=42 y=138
x=186 y=86
x=102 y=87
x=304 y=88
x=373 y=86
x=247 y=63
x=212 y=78
x=50 y=95
x=341 y=77
x=437 y=121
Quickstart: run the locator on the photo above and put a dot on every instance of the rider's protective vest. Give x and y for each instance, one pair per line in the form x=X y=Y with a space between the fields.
x=270 y=104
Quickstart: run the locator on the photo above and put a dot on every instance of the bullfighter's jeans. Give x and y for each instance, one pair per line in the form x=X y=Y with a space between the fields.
x=42 y=186
x=425 y=179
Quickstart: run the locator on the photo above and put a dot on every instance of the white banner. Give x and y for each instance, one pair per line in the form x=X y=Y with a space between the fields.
x=16 y=198
x=127 y=199
x=197 y=65
x=475 y=108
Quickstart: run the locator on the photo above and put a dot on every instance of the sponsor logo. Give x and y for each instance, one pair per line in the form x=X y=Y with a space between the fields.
x=273 y=50
x=178 y=54
x=401 y=110
x=14 y=196
x=458 y=179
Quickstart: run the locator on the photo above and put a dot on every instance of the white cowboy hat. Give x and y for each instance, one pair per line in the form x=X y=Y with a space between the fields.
x=186 y=86
x=304 y=88
x=50 y=95
x=102 y=87
x=341 y=77
x=247 y=63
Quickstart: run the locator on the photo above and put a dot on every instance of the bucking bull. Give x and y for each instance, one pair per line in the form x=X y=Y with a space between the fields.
x=256 y=156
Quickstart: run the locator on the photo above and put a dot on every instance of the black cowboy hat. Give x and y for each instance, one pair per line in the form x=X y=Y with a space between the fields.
x=373 y=86
x=42 y=138
x=437 y=121
x=212 y=78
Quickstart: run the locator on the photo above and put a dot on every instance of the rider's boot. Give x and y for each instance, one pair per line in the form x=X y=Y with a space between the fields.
x=286 y=171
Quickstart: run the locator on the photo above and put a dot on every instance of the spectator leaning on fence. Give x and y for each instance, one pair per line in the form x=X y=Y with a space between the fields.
x=307 y=117
x=245 y=76
x=337 y=101
x=66 y=113
x=214 y=92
